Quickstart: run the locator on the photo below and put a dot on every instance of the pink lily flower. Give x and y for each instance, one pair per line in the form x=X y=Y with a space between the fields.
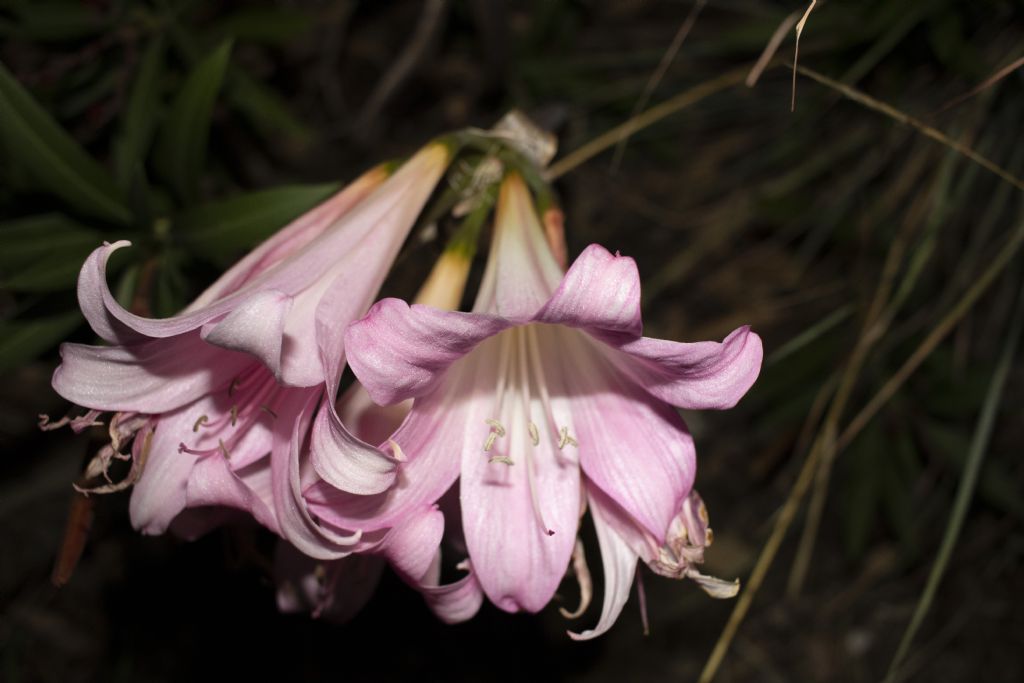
x=337 y=586
x=542 y=399
x=337 y=589
x=220 y=396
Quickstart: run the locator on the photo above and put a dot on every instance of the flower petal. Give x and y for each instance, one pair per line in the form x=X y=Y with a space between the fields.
x=296 y=526
x=368 y=421
x=455 y=602
x=518 y=282
x=351 y=263
x=429 y=439
x=633 y=447
x=601 y=291
x=213 y=482
x=697 y=376
x=399 y=351
x=619 y=562
x=291 y=238
x=372 y=230
x=116 y=324
x=345 y=462
x=160 y=493
x=255 y=327
x=520 y=520
x=149 y=377
x=412 y=545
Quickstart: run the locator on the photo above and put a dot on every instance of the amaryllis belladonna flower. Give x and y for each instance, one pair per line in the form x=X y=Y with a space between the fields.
x=544 y=399
x=338 y=588
x=214 y=397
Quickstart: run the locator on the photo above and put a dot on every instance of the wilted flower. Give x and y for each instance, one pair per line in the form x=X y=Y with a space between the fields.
x=544 y=398
x=219 y=396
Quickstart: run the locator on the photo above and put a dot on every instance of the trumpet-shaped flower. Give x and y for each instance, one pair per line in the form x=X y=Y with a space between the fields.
x=218 y=393
x=543 y=398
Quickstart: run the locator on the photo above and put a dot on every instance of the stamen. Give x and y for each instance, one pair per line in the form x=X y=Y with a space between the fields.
x=234 y=415
x=537 y=366
x=534 y=434
x=200 y=421
x=268 y=411
x=565 y=440
x=223 y=448
x=397 y=450
x=233 y=387
x=503 y=459
x=497 y=429
x=525 y=359
x=582 y=573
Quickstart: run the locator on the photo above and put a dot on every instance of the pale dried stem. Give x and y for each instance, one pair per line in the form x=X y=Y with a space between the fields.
x=651 y=116
x=788 y=511
x=984 y=85
x=770 y=49
x=796 y=49
x=875 y=324
x=923 y=128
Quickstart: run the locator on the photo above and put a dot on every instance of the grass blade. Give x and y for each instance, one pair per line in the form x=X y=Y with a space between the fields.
x=181 y=150
x=965 y=491
x=54 y=160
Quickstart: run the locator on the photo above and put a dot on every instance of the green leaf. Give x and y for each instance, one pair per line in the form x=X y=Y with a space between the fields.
x=170 y=287
x=265 y=108
x=861 y=493
x=261 y=105
x=29 y=239
x=124 y=292
x=23 y=340
x=267 y=24
x=181 y=149
x=219 y=231
x=140 y=116
x=55 y=20
x=997 y=487
x=899 y=474
x=52 y=273
x=52 y=157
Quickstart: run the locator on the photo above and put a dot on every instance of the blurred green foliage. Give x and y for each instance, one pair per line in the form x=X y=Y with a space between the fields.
x=159 y=91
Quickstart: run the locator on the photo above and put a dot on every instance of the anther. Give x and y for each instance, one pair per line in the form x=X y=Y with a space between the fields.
x=200 y=421
x=397 y=450
x=223 y=448
x=268 y=411
x=565 y=440
x=503 y=459
x=496 y=426
x=234 y=415
x=534 y=434
x=489 y=442
x=233 y=386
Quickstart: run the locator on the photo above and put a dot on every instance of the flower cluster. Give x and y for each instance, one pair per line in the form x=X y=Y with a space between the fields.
x=485 y=436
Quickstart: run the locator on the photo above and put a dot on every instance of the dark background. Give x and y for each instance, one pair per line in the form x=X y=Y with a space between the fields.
x=737 y=211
